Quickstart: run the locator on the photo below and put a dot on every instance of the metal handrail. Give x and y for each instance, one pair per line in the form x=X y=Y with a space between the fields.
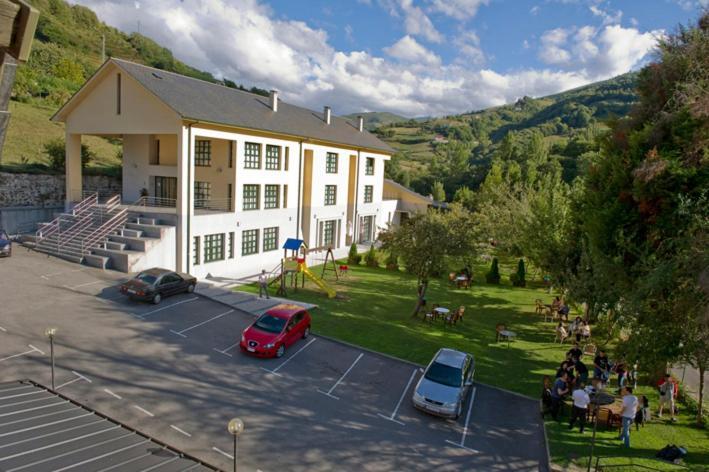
x=119 y=219
x=54 y=226
x=147 y=201
x=85 y=203
x=214 y=204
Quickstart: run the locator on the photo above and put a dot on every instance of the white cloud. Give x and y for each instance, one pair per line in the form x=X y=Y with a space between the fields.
x=257 y=47
x=608 y=17
x=552 y=49
x=458 y=9
x=689 y=5
x=534 y=10
x=407 y=49
x=417 y=23
x=468 y=44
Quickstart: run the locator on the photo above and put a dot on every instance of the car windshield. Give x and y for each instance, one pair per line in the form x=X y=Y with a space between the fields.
x=270 y=323
x=444 y=374
x=147 y=278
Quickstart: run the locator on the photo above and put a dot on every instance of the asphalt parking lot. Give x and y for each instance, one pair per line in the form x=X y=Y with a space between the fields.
x=174 y=371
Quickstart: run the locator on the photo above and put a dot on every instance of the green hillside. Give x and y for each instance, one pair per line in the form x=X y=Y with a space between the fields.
x=569 y=123
x=375 y=119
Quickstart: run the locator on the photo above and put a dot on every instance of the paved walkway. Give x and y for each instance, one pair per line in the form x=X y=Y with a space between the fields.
x=243 y=301
x=689 y=376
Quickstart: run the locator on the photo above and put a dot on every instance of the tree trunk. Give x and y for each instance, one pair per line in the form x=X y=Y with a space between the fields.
x=700 y=409
x=421 y=300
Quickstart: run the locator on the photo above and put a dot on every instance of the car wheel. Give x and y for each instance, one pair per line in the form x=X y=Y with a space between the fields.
x=306 y=333
x=280 y=351
x=190 y=288
x=157 y=299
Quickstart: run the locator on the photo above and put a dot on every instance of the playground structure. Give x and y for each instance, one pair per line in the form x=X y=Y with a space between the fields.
x=294 y=265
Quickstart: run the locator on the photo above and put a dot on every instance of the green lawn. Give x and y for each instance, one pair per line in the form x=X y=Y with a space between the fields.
x=373 y=310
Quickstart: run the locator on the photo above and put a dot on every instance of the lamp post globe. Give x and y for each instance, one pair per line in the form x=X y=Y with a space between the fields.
x=235 y=427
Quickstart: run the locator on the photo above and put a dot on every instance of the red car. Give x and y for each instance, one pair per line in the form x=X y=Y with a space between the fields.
x=276 y=330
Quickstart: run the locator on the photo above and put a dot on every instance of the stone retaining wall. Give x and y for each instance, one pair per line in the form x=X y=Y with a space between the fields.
x=48 y=190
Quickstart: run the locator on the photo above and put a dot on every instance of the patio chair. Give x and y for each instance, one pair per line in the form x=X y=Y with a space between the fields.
x=451 y=278
x=459 y=314
x=499 y=328
x=539 y=306
x=589 y=350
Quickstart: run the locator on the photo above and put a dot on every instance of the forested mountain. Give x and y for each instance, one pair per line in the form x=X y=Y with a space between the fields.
x=568 y=122
x=375 y=119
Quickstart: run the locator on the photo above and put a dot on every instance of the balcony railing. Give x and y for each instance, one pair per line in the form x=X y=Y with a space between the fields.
x=200 y=204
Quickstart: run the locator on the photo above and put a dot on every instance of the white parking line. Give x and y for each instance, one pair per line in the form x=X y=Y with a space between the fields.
x=83 y=285
x=226 y=350
x=46 y=276
x=34 y=349
x=329 y=392
x=222 y=452
x=396 y=410
x=114 y=395
x=181 y=431
x=78 y=377
x=275 y=371
x=3 y=329
x=181 y=333
x=143 y=410
x=166 y=307
x=465 y=429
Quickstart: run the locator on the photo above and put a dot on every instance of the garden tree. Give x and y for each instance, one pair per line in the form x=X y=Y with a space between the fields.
x=644 y=207
x=371 y=257
x=424 y=241
x=465 y=197
x=493 y=275
x=437 y=191
x=353 y=258
x=56 y=153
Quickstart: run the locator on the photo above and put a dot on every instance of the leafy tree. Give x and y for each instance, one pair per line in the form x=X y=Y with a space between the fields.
x=438 y=192
x=518 y=278
x=371 y=257
x=353 y=258
x=56 y=153
x=465 y=197
x=493 y=276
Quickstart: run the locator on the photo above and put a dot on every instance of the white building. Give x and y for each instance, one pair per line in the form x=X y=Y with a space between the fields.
x=227 y=175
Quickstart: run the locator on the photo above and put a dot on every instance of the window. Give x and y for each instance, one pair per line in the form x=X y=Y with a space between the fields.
x=252 y=156
x=273 y=157
x=270 y=196
x=202 y=194
x=213 y=247
x=366 y=229
x=231 y=245
x=329 y=233
x=285 y=196
x=285 y=159
x=203 y=153
x=249 y=242
x=229 y=190
x=230 y=157
x=270 y=239
x=118 y=94
x=330 y=194
x=369 y=166
x=331 y=163
x=368 y=193
x=251 y=197
x=195 y=250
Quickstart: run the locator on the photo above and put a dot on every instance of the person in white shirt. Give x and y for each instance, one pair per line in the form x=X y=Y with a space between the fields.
x=263 y=285
x=667 y=396
x=580 y=407
x=630 y=408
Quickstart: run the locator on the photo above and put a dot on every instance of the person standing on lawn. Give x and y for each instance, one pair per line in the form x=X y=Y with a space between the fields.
x=667 y=396
x=601 y=366
x=630 y=408
x=558 y=392
x=263 y=284
x=580 y=407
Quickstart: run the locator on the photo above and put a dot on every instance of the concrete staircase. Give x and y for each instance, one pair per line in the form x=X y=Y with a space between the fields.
x=106 y=236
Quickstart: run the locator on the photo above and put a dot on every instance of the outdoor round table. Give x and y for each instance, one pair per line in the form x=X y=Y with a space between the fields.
x=598 y=400
x=442 y=311
x=508 y=334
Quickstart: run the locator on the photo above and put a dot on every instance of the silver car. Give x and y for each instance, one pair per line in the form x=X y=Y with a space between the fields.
x=445 y=383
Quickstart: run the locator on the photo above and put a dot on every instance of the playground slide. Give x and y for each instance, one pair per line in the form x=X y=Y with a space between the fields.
x=318 y=281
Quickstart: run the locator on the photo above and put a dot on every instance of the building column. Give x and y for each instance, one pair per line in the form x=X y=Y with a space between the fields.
x=185 y=199
x=72 y=164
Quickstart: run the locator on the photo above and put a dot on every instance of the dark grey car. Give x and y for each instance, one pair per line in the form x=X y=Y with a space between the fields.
x=445 y=383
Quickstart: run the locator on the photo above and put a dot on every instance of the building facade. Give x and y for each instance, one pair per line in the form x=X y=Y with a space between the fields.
x=235 y=173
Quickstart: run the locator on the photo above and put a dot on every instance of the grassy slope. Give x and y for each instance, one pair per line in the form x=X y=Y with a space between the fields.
x=376 y=314
x=30 y=128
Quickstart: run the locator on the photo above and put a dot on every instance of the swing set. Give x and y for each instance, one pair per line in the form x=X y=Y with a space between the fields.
x=294 y=265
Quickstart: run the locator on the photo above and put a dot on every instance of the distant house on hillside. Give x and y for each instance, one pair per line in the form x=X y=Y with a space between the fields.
x=439 y=139
x=219 y=178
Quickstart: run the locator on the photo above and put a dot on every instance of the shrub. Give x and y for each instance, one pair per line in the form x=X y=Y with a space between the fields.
x=353 y=258
x=493 y=277
x=518 y=278
x=371 y=257
x=56 y=152
x=392 y=262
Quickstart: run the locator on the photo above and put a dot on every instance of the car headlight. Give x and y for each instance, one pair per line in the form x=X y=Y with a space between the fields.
x=418 y=398
x=269 y=345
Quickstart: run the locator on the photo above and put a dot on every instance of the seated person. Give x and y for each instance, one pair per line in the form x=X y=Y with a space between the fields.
x=581 y=371
x=575 y=325
x=466 y=272
x=585 y=331
x=575 y=352
x=556 y=303
x=564 y=311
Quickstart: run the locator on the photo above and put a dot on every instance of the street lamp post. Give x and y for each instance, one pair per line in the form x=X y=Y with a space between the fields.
x=235 y=427
x=50 y=333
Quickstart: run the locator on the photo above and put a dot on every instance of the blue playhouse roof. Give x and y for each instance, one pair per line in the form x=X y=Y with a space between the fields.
x=293 y=244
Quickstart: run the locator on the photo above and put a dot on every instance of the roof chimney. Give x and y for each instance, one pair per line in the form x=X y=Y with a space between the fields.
x=327 y=112
x=274 y=100
x=360 y=123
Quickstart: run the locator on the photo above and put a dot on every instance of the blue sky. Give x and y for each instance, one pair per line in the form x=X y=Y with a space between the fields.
x=413 y=57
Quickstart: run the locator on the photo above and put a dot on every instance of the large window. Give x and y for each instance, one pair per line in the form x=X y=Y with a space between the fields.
x=368 y=193
x=202 y=194
x=331 y=163
x=329 y=233
x=366 y=229
x=273 y=157
x=203 y=153
x=252 y=155
x=285 y=196
x=369 y=166
x=195 y=250
x=213 y=247
x=270 y=239
x=330 y=194
x=231 y=245
x=270 y=196
x=251 y=197
x=249 y=242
